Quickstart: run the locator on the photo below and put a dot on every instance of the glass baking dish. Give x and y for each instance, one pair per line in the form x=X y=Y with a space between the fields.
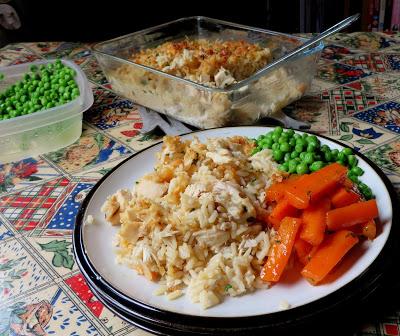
x=261 y=95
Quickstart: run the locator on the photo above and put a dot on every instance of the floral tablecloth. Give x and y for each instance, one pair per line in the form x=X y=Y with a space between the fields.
x=355 y=98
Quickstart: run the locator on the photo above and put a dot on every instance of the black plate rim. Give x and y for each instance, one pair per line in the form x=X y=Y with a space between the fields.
x=339 y=298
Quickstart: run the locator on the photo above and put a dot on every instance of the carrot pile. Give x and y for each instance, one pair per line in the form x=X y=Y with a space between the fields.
x=317 y=217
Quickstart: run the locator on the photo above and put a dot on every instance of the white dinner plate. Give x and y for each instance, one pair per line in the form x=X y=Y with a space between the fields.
x=93 y=245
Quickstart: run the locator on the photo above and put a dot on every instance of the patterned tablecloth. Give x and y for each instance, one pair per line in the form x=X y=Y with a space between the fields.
x=355 y=98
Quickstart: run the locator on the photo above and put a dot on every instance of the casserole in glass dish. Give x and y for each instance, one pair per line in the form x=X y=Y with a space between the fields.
x=241 y=91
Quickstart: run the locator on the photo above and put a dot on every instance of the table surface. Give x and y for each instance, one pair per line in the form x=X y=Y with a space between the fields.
x=355 y=98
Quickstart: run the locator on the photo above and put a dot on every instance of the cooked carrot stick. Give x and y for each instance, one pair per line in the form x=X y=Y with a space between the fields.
x=347 y=183
x=303 y=250
x=281 y=249
x=368 y=229
x=343 y=197
x=330 y=252
x=276 y=191
x=315 y=185
x=352 y=214
x=281 y=210
x=312 y=252
x=314 y=222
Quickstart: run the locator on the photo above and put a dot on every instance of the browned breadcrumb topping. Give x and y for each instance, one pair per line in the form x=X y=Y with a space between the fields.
x=204 y=60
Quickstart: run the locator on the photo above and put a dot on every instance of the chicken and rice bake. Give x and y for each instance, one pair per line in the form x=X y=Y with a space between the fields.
x=214 y=64
x=192 y=224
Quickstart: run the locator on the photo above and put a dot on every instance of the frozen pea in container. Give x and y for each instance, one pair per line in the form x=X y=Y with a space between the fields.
x=47 y=130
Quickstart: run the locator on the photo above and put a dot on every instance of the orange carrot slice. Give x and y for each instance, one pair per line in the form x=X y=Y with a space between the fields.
x=368 y=229
x=352 y=214
x=330 y=252
x=314 y=222
x=315 y=185
x=276 y=191
x=281 y=249
x=281 y=210
x=343 y=197
x=303 y=250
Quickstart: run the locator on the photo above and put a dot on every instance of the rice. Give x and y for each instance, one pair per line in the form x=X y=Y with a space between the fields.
x=193 y=223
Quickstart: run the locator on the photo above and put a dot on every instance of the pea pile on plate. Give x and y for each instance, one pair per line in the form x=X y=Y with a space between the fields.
x=42 y=88
x=303 y=153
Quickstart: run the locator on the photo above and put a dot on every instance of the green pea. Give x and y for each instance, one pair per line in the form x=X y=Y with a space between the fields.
x=282 y=139
x=278 y=155
x=342 y=156
x=352 y=160
x=325 y=148
x=67 y=78
x=66 y=95
x=311 y=138
x=62 y=82
x=283 y=167
x=268 y=142
x=365 y=190
x=334 y=153
x=317 y=157
x=308 y=158
x=317 y=165
x=290 y=132
x=356 y=171
x=301 y=141
x=353 y=178
x=298 y=148
x=275 y=146
x=275 y=137
x=294 y=154
x=278 y=130
x=284 y=147
x=311 y=147
x=53 y=95
x=296 y=136
x=292 y=166
x=347 y=151
x=302 y=155
x=302 y=168
x=292 y=142
x=341 y=162
x=286 y=157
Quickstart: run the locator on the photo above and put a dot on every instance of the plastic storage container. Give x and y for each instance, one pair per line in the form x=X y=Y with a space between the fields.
x=262 y=94
x=46 y=130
